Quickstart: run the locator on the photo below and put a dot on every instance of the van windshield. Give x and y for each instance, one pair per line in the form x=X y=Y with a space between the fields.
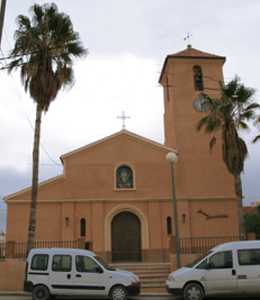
x=104 y=264
x=193 y=263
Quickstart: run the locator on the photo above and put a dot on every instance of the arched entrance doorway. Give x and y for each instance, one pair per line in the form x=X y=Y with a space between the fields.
x=126 y=237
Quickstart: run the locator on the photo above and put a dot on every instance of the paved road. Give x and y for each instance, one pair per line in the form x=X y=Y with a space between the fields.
x=5 y=297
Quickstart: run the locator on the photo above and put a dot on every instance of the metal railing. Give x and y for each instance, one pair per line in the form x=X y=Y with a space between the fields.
x=200 y=244
x=17 y=249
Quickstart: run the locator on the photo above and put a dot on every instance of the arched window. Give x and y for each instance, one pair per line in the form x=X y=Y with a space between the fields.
x=82 y=227
x=124 y=177
x=198 y=78
x=169 y=225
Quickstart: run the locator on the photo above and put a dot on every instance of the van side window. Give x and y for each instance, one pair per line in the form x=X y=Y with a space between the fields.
x=86 y=264
x=40 y=262
x=221 y=260
x=249 y=257
x=61 y=263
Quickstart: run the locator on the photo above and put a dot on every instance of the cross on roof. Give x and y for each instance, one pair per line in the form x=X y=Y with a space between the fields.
x=188 y=38
x=123 y=117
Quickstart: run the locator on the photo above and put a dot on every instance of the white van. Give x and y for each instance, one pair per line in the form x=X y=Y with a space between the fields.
x=228 y=269
x=75 y=272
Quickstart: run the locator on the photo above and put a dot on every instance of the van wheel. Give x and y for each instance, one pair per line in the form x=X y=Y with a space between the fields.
x=193 y=291
x=40 y=292
x=118 y=292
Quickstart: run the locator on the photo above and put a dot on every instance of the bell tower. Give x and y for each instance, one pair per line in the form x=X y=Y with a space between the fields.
x=186 y=76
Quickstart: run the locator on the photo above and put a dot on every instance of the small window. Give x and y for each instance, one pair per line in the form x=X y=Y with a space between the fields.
x=169 y=225
x=221 y=260
x=198 y=78
x=249 y=257
x=124 y=177
x=40 y=262
x=61 y=263
x=86 y=264
x=82 y=227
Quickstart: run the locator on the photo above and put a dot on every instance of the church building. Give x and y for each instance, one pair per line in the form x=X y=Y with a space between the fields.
x=116 y=193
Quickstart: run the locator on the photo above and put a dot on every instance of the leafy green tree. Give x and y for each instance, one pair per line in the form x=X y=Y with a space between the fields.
x=252 y=222
x=231 y=112
x=44 y=49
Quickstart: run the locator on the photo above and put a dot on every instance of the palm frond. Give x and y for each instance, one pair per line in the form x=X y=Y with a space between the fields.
x=257 y=138
x=212 y=143
x=252 y=106
x=247 y=115
x=243 y=125
x=50 y=44
x=202 y=123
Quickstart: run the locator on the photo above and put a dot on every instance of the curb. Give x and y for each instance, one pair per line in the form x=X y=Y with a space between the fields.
x=145 y=295
x=14 y=293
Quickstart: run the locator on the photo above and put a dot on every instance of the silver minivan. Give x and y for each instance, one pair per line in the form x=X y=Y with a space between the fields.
x=228 y=269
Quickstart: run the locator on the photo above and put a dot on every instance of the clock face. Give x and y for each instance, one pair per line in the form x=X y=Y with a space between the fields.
x=200 y=103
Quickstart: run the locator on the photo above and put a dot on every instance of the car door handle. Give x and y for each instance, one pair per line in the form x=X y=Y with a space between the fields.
x=78 y=275
x=241 y=277
x=68 y=276
x=234 y=272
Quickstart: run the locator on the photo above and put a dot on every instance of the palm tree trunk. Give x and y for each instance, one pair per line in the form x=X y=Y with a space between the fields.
x=35 y=172
x=240 y=215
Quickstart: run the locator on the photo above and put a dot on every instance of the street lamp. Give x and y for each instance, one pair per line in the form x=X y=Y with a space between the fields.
x=2 y=15
x=172 y=158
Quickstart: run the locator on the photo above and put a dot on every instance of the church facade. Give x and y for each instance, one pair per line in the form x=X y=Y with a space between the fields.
x=116 y=194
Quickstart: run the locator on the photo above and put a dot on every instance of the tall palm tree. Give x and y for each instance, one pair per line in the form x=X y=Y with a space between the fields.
x=227 y=115
x=45 y=46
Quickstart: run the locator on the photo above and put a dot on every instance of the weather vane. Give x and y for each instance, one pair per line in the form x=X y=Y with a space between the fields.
x=188 y=38
x=123 y=117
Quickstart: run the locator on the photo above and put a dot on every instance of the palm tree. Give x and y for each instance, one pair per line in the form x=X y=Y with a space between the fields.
x=45 y=46
x=228 y=115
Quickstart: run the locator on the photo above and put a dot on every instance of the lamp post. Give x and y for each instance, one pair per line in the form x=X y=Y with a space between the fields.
x=172 y=158
x=2 y=15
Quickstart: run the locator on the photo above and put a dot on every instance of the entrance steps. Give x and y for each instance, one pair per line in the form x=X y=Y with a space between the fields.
x=152 y=275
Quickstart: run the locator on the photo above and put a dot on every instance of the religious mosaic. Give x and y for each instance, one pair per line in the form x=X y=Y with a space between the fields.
x=124 y=177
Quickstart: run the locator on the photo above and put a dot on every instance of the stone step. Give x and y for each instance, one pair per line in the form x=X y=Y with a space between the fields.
x=153 y=284
x=140 y=265
x=144 y=268
x=153 y=280
x=154 y=290
x=153 y=275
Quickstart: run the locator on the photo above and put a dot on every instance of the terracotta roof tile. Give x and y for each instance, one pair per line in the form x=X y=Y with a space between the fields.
x=192 y=52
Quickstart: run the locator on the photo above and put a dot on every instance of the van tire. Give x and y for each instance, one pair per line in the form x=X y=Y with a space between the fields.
x=193 y=291
x=40 y=292
x=118 y=292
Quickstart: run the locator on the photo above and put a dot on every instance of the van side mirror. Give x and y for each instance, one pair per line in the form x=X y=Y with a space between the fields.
x=98 y=269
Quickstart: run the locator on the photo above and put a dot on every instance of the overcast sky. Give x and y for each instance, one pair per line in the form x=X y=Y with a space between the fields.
x=127 y=41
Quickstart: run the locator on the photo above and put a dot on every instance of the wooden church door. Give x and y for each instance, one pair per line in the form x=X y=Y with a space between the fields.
x=126 y=237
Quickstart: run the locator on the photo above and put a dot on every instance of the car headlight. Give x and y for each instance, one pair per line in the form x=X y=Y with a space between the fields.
x=135 y=279
x=171 y=278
